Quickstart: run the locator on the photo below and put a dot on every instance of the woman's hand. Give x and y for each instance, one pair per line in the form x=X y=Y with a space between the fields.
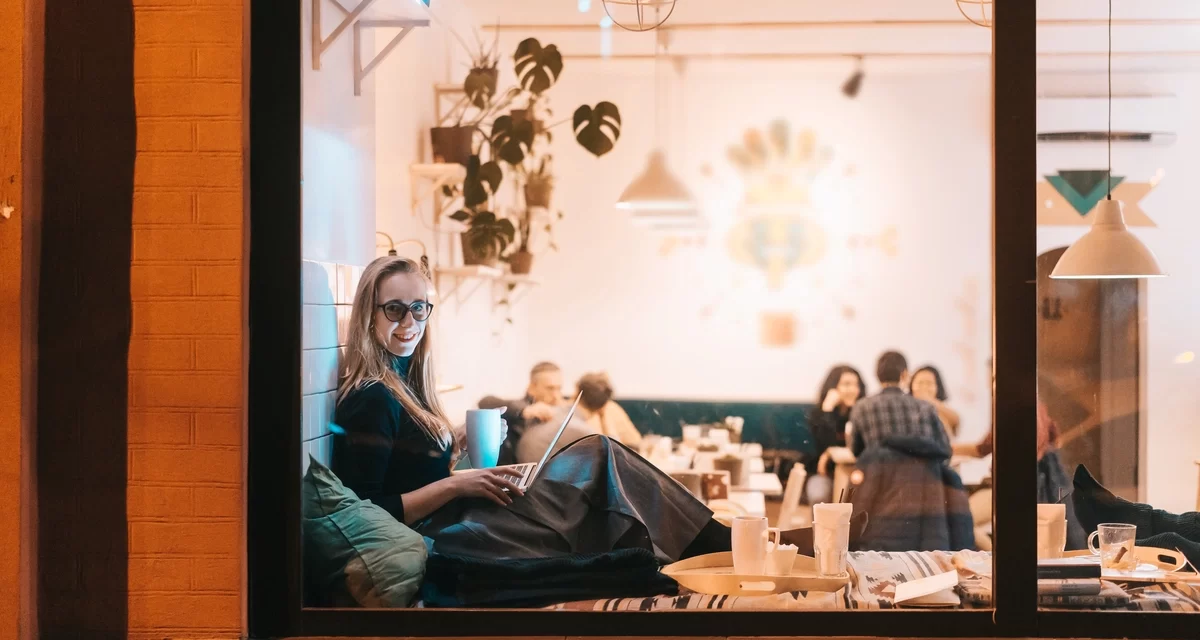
x=832 y=398
x=487 y=483
x=823 y=463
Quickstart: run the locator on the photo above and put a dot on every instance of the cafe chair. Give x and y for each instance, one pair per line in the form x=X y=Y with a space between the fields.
x=790 y=513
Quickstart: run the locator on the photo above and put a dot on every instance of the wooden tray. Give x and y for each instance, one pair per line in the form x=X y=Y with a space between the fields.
x=1154 y=565
x=713 y=574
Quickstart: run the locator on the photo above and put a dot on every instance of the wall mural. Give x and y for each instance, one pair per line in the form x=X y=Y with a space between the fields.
x=1069 y=197
x=777 y=230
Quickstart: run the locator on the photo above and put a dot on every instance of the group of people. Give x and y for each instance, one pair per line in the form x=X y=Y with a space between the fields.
x=534 y=419
x=901 y=441
x=841 y=393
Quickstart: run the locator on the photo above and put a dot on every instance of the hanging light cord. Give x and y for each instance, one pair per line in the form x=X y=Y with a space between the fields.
x=1109 y=197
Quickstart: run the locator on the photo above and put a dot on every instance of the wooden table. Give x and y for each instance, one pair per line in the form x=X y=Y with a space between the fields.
x=767 y=484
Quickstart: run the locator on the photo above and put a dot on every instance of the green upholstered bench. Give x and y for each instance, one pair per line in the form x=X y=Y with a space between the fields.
x=774 y=425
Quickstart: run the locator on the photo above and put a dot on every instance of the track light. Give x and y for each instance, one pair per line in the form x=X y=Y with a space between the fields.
x=854 y=83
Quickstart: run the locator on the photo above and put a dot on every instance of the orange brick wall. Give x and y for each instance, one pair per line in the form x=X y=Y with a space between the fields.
x=185 y=495
x=12 y=25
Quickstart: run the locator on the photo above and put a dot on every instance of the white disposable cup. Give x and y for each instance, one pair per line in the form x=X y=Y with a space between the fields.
x=483 y=437
x=832 y=512
x=831 y=537
x=749 y=545
x=1052 y=530
x=831 y=546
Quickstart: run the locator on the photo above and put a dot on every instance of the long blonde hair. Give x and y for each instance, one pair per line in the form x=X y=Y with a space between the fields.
x=368 y=360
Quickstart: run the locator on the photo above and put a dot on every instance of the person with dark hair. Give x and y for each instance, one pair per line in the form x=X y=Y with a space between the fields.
x=927 y=385
x=603 y=414
x=893 y=413
x=916 y=501
x=843 y=387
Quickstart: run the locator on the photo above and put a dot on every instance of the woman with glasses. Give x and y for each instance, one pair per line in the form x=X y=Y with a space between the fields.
x=395 y=447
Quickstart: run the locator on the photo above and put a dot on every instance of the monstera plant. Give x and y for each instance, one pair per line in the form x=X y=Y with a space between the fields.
x=514 y=138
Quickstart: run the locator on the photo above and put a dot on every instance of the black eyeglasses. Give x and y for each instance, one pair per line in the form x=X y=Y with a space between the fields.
x=394 y=310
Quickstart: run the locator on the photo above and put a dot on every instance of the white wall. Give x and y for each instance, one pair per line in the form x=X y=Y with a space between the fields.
x=685 y=325
x=338 y=151
x=476 y=346
x=1172 y=321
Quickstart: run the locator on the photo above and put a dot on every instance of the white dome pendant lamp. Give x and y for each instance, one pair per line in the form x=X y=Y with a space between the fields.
x=1108 y=250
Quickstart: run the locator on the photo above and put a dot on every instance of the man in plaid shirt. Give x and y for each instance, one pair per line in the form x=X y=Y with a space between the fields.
x=893 y=413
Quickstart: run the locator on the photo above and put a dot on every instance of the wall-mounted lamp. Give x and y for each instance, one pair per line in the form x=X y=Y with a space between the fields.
x=391 y=245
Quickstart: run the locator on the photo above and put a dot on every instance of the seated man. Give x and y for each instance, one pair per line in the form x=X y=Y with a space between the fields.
x=537 y=437
x=542 y=396
x=602 y=414
x=916 y=501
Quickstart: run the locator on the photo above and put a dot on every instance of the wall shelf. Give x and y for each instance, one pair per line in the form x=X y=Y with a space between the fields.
x=426 y=182
x=405 y=15
x=478 y=275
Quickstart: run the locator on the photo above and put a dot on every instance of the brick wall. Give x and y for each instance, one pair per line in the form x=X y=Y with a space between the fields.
x=185 y=493
x=12 y=27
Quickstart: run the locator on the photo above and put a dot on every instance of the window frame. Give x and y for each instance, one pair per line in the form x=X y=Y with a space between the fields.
x=274 y=591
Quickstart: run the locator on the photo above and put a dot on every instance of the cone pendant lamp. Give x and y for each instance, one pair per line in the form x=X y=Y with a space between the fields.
x=656 y=198
x=1109 y=249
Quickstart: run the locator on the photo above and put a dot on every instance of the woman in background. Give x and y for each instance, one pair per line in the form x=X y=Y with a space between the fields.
x=605 y=416
x=927 y=385
x=843 y=387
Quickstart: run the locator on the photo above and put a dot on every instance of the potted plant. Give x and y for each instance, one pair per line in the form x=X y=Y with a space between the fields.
x=453 y=139
x=521 y=260
x=511 y=140
x=539 y=185
x=487 y=235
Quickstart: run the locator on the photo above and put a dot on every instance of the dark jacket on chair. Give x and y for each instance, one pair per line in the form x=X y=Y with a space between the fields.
x=914 y=500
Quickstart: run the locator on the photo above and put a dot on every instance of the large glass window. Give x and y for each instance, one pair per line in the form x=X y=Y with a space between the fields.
x=572 y=288
x=1118 y=456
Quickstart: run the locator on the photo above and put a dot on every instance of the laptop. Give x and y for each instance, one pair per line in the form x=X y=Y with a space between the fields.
x=527 y=472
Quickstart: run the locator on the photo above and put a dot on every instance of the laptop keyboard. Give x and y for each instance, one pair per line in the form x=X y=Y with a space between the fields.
x=525 y=471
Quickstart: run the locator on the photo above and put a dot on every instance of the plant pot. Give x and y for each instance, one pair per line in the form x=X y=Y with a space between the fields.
x=520 y=115
x=451 y=144
x=521 y=263
x=471 y=258
x=537 y=194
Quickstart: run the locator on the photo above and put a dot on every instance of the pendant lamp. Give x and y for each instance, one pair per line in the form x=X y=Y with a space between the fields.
x=656 y=189
x=656 y=197
x=1108 y=250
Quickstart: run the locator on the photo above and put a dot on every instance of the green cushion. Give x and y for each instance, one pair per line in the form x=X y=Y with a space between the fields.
x=355 y=552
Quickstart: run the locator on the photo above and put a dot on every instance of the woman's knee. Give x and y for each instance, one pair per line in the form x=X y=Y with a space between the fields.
x=594 y=443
